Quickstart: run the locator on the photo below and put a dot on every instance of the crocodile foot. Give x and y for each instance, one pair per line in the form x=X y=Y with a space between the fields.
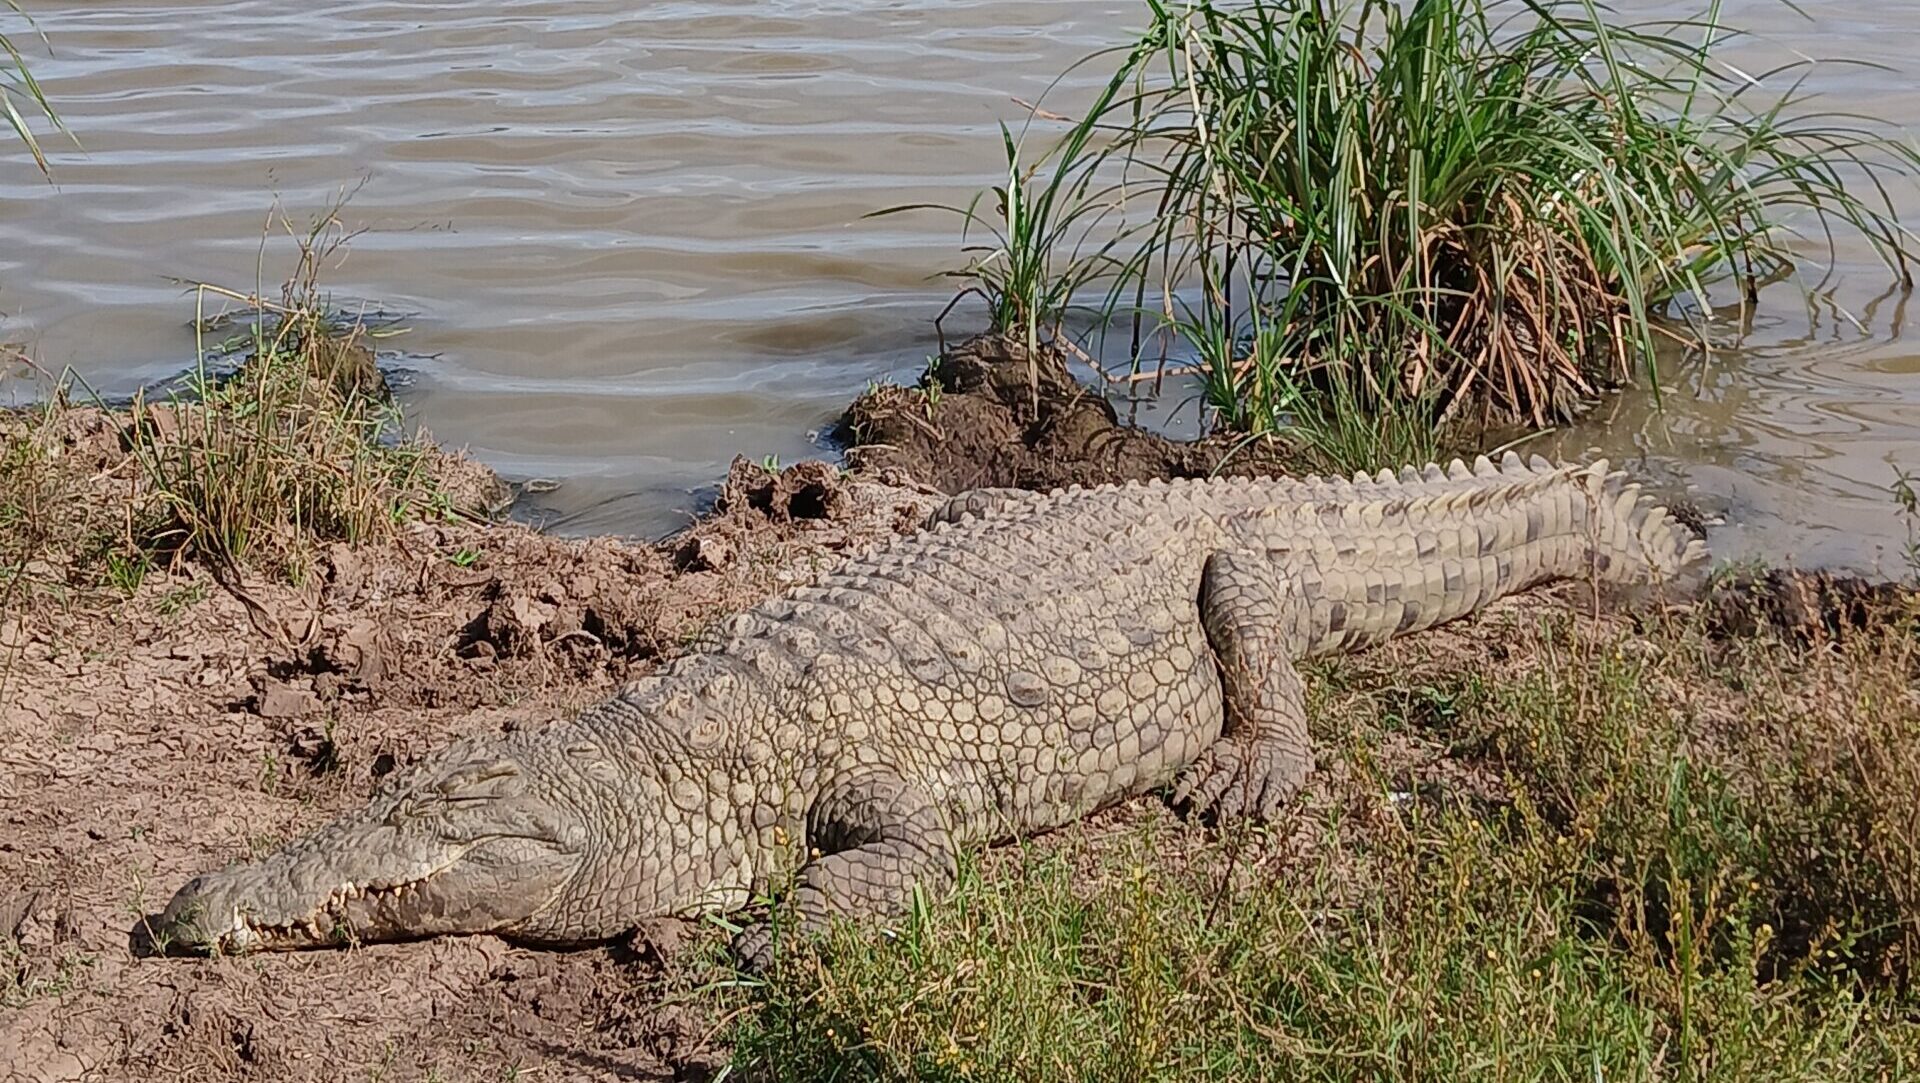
x=1240 y=780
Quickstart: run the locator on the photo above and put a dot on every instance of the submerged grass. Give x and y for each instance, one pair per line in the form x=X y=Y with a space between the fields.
x=1544 y=851
x=1449 y=210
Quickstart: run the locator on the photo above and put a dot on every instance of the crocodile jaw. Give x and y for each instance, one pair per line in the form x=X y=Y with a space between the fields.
x=490 y=886
x=255 y=908
x=463 y=845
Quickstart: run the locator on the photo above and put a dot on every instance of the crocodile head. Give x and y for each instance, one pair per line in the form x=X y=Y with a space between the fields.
x=473 y=840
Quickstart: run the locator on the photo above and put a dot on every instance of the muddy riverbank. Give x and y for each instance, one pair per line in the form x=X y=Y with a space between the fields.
x=153 y=729
x=147 y=735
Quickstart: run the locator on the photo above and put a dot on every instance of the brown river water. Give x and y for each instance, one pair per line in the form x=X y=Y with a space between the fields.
x=629 y=237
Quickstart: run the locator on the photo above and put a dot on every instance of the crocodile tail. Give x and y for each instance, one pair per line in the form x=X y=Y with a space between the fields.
x=1636 y=540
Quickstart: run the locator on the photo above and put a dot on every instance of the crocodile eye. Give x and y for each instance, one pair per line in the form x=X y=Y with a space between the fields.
x=480 y=777
x=706 y=733
x=404 y=811
x=471 y=784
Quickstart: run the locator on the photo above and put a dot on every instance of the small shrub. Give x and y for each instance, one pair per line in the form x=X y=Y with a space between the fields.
x=294 y=448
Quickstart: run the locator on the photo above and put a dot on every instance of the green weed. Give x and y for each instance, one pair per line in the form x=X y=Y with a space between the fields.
x=1045 y=242
x=180 y=599
x=126 y=571
x=1907 y=499
x=930 y=389
x=24 y=980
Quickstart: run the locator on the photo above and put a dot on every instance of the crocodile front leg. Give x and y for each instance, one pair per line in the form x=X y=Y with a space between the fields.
x=1255 y=618
x=873 y=837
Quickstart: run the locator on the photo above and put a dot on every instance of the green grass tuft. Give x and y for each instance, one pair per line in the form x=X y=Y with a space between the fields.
x=282 y=439
x=297 y=447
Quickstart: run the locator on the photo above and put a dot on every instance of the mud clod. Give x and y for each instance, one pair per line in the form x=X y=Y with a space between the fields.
x=1806 y=606
x=971 y=422
x=314 y=748
x=703 y=553
x=807 y=490
x=279 y=700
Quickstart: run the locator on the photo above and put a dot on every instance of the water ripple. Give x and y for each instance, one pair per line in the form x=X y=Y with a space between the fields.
x=635 y=232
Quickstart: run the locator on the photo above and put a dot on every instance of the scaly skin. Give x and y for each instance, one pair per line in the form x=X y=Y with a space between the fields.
x=1026 y=660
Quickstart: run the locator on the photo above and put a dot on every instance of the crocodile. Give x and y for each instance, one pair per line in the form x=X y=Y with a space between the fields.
x=1025 y=659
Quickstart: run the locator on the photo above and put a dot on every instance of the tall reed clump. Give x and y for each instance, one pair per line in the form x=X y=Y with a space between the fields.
x=298 y=446
x=1361 y=220
x=18 y=84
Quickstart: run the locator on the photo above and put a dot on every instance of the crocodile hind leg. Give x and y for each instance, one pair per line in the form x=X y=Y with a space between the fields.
x=873 y=837
x=1254 y=615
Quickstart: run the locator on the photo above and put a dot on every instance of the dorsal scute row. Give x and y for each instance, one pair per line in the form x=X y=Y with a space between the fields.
x=1065 y=520
x=1043 y=531
x=1312 y=487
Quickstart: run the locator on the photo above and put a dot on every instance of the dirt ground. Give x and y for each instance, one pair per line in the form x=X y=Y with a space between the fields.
x=144 y=740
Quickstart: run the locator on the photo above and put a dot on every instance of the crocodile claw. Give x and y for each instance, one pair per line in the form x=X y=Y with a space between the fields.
x=1234 y=781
